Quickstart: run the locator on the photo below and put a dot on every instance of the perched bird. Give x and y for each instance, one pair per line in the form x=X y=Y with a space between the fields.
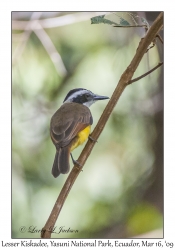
x=70 y=126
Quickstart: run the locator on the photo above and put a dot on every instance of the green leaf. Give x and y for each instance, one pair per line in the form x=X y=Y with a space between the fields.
x=101 y=19
x=144 y=21
x=123 y=22
x=122 y=19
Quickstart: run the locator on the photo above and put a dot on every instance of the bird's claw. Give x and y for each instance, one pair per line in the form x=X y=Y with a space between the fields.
x=75 y=162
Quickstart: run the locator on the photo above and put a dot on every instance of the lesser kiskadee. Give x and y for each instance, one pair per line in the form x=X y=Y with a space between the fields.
x=70 y=126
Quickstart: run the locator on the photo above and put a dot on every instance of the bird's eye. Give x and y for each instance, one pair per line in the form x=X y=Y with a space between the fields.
x=87 y=95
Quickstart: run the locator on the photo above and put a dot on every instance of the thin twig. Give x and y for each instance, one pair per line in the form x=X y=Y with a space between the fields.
x=56 y=21
x=147 y=73
x=51 y=50
x=160 y=38
x=44 y=39
x=25 y=36
x=129 y=26
x=123 y=82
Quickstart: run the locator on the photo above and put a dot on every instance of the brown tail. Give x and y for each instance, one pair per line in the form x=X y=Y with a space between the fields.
x=61 y=162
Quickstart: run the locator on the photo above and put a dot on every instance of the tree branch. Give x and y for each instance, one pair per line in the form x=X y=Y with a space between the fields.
x=123 y=82
x=147 y=73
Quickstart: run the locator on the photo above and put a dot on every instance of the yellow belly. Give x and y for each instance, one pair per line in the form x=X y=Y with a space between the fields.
x=81 y=137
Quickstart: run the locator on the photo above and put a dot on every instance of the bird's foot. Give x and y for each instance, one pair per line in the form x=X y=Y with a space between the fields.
x=75 y=162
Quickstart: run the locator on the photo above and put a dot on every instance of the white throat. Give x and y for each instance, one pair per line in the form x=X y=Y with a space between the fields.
x=88 y=104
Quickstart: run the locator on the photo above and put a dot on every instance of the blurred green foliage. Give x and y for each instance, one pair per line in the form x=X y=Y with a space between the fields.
x=120 y=168
x=140 y=218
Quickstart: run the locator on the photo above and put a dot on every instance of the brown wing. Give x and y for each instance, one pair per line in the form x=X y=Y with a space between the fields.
x=68 y=121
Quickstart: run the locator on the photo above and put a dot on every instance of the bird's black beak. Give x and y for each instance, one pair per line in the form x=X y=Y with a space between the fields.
x=100 y=97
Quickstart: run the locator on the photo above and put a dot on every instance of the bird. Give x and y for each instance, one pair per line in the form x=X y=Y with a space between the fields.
x=70 y=126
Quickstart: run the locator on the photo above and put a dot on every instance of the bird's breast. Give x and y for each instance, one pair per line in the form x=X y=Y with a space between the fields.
x=81 y=137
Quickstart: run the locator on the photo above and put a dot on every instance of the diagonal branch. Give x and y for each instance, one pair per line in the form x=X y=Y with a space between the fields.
x=123 y=82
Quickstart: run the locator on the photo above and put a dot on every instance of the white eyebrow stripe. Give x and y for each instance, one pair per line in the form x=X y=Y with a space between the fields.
x=79 y=92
